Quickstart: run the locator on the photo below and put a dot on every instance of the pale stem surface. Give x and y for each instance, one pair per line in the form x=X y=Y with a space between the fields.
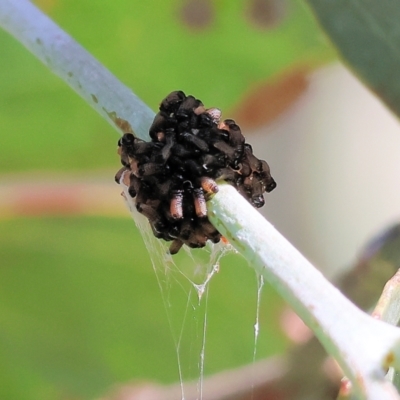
x=361 y=345
x=388 y=307
x=72 y=63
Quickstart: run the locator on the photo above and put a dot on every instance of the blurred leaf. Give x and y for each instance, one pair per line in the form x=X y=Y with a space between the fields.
x=153 y=50
x=80 y=310
x=367 y=35
x=269 y=99
x=377 y=263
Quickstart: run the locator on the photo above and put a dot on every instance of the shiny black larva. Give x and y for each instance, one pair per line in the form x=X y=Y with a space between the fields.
x=173 y=175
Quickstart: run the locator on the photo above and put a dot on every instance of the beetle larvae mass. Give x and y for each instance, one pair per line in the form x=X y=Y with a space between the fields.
x=173 y=175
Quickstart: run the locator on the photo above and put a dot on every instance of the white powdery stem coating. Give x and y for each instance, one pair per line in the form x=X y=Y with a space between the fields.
x=71 y=62
x=361 y=344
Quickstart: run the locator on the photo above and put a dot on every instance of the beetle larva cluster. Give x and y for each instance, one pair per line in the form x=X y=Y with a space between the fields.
x=171 y=176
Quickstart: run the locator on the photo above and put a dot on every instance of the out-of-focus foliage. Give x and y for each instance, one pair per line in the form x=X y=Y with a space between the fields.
x=81 y=310
x=367 y=35
x=151 y=48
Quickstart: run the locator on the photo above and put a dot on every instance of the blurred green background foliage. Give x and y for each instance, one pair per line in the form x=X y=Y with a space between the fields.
x=80 y=307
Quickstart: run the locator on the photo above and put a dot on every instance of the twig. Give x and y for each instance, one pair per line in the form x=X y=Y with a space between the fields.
x=305 y=374
x=388 y=307
x=72 y=63
x=226 y=385
x=364 y=347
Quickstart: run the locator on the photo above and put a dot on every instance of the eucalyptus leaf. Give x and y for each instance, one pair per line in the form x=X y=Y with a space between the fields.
x=367 y=35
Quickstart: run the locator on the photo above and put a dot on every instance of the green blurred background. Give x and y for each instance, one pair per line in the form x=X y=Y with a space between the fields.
x=80 y=307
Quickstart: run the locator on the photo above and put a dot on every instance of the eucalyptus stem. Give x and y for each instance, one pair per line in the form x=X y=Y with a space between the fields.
x=388 y=307
x=72 y=63
x=364 y=347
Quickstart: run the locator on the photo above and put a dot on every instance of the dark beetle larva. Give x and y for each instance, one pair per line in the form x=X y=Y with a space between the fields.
x=173 y=175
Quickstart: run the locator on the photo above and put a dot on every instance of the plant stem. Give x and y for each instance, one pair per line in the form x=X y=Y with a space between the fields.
x=388 y=307
x=362 y=346
x=72 y=63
